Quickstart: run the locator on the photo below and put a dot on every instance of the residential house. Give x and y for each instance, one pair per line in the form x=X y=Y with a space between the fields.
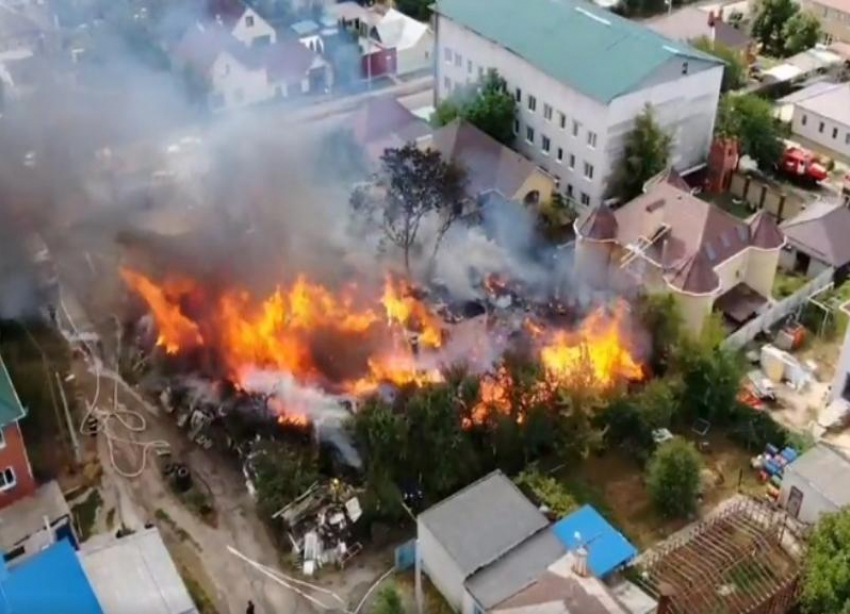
x=396 y=43
x=817 y=239
x=16 y=478
x=135 y=573
x=51 y=581
x=489 y=166
x=31 y=524
x=382 y=123
x=241 y=75
x=823 y=119
x=488 y=549
x=691 y=23
x=667 y=240
x=784 y=109
x=816 y=483
x=241 y=21
x=834 y=17
x=580 y=75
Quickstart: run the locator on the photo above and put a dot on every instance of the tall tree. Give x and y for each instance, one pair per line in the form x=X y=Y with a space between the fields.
x=769 y=24
x=801 y=32
x=749 y=119
x=826 y=570
x=489 y=107
x=661 y=318
x=734 y=71
x=419 y=184
x=673 y=478
x=646 y=154
x=282 y=471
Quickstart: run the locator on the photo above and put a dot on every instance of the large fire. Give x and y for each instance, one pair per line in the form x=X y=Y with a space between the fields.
x=307 y=331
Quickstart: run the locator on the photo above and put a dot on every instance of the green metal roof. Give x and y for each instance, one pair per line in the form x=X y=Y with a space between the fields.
x=588 y=48
x=11 y=409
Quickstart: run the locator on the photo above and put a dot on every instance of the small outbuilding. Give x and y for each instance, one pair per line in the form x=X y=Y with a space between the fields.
x=816 y=483
x=816 y=240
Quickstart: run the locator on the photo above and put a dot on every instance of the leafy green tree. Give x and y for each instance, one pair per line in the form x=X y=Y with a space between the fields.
x=673 y=478
x=711 y=379
x=769 y=24
x=661 y=318
x=418 y=9
x=826 y=569
x=388 y=601
x=282 y=471
x=489 y=107
x=749 y=119
x=801 y=32
x=734 y=71
x=631 y=418
x=646 y=154
x=548 y=491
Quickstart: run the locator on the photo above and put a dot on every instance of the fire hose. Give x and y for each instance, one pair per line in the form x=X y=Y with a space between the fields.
x=97 y=420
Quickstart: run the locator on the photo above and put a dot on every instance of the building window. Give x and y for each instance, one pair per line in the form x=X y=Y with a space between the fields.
x=684 y=68
x=588 y=171
x=576 y=127
x=516 y=126
x=546 y=144
x=480 y=72
x=560 y=154
x=585 y=199
x=7 y=479
x=532 y=103
x=570 y=190
x=562 y=120
x=821 y=126
x=572 y=161
x=835 y=133
x=547 y=112
x=447 y=83
x=458 y=59
x=591 y=138
x=847 y=139
x=804 y=120
x=529 y=134
x=249 y=21
x=448 y=55
x=518 y=95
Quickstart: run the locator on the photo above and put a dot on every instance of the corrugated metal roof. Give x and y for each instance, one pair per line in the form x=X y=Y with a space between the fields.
x=136 y=574
x=827 y=470
x=593 y=50
x=49 y=583
x=482 y=522
x=516 y=570
x=607 y=548
x=10 y=405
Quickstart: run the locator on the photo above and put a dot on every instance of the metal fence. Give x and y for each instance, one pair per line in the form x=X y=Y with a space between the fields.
x=777 y=311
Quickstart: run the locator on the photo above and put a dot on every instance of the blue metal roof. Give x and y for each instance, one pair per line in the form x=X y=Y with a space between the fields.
x=49 y=582
x=607 y=548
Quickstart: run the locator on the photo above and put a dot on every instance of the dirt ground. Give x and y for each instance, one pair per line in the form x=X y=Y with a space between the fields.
x=614 y=484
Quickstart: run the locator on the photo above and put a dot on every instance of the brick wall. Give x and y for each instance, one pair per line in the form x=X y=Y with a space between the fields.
x=13 y=454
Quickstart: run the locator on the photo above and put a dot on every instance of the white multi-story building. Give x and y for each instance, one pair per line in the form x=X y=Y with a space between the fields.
x=580 y=75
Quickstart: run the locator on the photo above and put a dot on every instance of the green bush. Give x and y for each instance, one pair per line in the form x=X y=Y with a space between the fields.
x=673 y=478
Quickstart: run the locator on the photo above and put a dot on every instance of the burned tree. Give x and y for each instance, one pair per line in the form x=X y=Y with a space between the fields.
x=418 y=184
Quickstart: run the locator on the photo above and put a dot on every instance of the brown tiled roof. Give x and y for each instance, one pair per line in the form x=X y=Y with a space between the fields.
x=570 y=591
x=599 y=223
x=383 y=116
x=764 y=232
x=689 y=236
x=489 y=165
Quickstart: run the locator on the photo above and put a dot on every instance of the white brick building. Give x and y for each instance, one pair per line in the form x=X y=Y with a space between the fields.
x=580 y=76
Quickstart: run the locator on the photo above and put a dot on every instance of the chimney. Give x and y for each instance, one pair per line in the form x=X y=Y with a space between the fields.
x=666 y=592
x=580 y=562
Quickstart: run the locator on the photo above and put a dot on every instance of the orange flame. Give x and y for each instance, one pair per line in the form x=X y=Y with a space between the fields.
x=404 y=309
x=396 y=368
x=597 y=348
x=175 y=330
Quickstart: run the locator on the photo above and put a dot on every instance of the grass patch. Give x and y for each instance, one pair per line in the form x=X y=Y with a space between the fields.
x=199 y=596
x=785 y=284
x=85 y=514
x=182 y=534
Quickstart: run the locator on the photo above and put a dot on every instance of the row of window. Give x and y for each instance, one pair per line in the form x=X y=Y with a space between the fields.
x=548 y=115
x=822 y=128
x=546 y=148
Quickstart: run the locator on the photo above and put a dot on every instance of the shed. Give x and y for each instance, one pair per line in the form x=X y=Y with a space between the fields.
x=816 y=483
x=607 y=548
x=817 y=240
x=136 y=574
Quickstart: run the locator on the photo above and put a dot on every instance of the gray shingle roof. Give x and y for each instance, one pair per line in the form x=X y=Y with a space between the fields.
x=827 y=470
x=821 y=230
x=593 y=50
x=516 y=570
x=833 y=104
x=483 y=521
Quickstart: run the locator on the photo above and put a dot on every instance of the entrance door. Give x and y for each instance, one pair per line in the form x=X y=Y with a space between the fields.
x=795 y=502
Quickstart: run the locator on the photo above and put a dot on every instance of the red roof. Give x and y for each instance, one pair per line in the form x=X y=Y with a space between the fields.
x=599 y=224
